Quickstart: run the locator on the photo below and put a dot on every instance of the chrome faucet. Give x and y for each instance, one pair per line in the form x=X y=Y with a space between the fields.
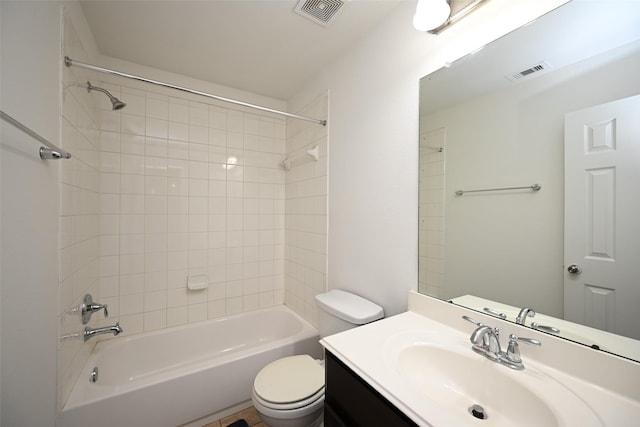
x=528 y=312
x=524 y=313
x=485 y=340
x=91 y=332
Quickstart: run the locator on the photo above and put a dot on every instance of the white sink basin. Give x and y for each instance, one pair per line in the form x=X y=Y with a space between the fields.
x=447 y=372
x=459 y=381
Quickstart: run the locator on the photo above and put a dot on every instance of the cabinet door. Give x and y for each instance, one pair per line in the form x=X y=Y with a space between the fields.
x=350 y=401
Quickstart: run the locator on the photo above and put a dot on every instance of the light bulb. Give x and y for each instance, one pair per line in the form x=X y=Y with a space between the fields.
x=430 y=14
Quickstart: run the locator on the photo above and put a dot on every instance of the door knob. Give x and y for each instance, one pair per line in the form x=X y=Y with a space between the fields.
x=574 y=269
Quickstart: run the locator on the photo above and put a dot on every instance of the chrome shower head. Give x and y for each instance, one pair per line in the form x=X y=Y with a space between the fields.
x=115 y=102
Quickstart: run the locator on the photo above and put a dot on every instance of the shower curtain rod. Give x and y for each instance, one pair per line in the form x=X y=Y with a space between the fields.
x=71 y=62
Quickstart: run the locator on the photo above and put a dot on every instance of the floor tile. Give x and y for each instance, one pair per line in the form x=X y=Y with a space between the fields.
x=250 y=415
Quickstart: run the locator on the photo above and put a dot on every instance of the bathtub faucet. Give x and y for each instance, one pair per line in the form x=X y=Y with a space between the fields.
x=91 y=332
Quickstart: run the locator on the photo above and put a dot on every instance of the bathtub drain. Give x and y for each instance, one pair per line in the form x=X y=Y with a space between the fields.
x=478 y=412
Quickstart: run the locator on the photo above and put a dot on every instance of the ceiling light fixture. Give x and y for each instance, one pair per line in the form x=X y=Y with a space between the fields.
x=431 y=14
x=435 y=16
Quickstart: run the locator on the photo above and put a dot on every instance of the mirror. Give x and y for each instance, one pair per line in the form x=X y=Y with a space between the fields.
x=494 y=120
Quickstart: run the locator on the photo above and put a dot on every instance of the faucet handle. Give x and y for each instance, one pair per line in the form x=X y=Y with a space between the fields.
x=512 y=355
x=88 y=307
x=516 y=338
x=472 y=320
x=495 y=313
x=544 y=328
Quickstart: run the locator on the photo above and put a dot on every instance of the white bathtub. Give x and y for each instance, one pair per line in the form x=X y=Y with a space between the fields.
x=177 y=375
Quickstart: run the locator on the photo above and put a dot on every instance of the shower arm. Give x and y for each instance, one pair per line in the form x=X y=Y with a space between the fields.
x=115 y=102
x=91 y=87
x=71 y=62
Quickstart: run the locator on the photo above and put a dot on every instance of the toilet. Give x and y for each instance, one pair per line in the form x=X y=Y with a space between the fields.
x=289 y=392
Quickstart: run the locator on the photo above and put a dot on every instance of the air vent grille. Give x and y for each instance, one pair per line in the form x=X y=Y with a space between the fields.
x=529 y=72
x=319 y=11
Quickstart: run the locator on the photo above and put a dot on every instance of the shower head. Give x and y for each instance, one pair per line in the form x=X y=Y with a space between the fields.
x=115 y=102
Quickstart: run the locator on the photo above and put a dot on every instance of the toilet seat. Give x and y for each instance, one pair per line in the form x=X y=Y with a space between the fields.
x=301 y=404
x=290 y=383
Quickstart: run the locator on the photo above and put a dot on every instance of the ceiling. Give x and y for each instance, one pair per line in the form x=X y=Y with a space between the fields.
x=260 y=46
x=558 y=39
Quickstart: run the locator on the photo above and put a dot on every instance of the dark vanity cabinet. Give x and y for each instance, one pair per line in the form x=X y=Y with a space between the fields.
x=351 y=402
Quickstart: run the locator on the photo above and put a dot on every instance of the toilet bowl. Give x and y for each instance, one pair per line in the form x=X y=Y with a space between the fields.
x=289 y=392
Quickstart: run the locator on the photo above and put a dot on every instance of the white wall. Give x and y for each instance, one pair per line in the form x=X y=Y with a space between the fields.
x=373 y=138
x=30 y=77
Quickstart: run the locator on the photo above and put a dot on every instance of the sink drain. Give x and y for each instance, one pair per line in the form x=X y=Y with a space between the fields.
x=478 y=412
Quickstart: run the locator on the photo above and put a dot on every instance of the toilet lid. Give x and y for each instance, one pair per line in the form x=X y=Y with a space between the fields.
x=289 y=379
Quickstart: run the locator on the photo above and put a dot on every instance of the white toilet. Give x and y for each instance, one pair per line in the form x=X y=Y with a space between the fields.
x=289 y=392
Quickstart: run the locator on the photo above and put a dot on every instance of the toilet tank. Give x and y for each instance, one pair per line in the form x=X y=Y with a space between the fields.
x=339 y=310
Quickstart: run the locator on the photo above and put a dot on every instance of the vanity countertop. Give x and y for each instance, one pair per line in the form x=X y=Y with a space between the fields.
x=371 y=352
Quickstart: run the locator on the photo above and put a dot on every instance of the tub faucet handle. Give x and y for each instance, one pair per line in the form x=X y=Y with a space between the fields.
x=88 y=307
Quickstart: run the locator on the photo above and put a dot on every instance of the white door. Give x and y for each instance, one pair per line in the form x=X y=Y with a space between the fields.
x=602 y=217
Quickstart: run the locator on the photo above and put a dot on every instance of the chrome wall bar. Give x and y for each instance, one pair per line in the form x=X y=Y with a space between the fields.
x=70 y=62
x=534 y=187
x=50 y=152
x=438 y=149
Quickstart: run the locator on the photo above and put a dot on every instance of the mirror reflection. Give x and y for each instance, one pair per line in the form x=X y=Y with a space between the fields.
x=555 y=104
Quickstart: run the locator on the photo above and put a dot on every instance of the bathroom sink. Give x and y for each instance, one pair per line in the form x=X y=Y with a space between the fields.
x=460 y=381
x=469 y=387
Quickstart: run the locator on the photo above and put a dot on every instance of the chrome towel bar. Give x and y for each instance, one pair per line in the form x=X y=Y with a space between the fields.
x=534 y=187
x=50 y=152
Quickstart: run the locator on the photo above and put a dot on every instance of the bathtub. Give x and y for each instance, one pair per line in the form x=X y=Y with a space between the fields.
x=177 y=375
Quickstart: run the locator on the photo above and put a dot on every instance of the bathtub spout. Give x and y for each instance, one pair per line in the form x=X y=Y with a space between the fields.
x=91 y=332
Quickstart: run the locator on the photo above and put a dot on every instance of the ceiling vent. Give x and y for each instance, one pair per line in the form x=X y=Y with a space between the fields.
x=319 y=11
x=537 y=69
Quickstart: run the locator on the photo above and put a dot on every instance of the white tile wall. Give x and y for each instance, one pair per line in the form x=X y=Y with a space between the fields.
x=306 y=212
x=431 y=213
x=79 y=221
x=189 y=188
